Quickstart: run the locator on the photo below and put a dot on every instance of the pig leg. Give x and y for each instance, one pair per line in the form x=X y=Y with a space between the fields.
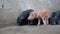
x=44 y=21
x=38 y=22
x=47 y=21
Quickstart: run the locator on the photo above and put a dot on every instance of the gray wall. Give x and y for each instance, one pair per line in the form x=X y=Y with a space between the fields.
x=8 y=17
x=12 y=8
x=27 y=4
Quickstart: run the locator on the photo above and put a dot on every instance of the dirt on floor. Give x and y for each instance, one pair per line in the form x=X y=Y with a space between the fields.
x=48 y=29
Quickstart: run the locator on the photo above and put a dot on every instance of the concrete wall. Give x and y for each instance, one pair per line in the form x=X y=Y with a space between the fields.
x=27 y=4
x=12 y=8
x=8 y=17
x=9 y=4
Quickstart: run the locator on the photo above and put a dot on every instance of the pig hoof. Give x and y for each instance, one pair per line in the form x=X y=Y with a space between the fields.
x=38 y=24
x=45 y=24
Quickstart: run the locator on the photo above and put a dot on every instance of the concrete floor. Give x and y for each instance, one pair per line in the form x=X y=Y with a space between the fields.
x=48 y=29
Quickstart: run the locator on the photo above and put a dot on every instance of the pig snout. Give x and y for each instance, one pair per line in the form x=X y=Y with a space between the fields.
x=30 y=18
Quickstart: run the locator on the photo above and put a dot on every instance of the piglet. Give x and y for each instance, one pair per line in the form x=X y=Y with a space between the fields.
x=44 y=14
